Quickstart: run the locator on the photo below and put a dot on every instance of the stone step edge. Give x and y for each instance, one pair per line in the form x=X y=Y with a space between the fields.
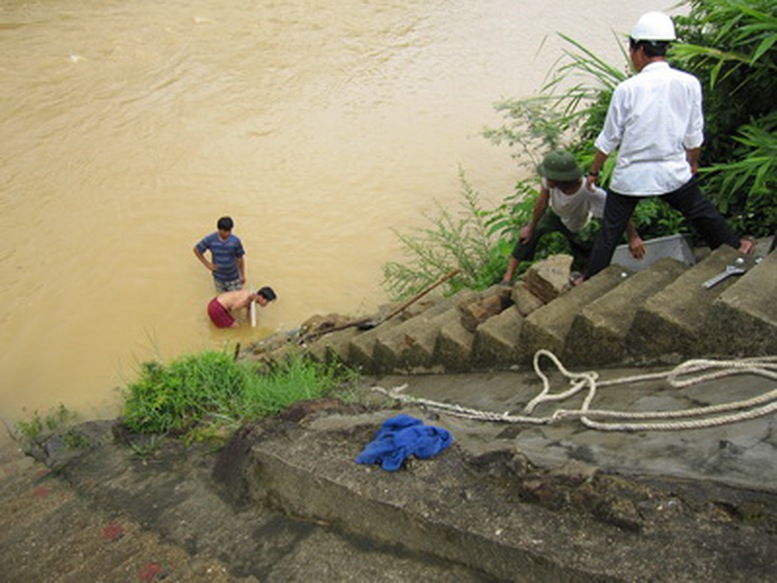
x=388 y=523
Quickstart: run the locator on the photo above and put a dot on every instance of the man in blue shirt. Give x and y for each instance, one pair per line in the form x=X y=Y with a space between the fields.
x=227 y=263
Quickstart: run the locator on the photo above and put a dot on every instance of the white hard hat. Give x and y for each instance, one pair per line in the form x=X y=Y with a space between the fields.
x=655 y=26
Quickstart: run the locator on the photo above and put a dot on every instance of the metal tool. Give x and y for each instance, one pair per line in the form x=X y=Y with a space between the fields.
x=736 y=269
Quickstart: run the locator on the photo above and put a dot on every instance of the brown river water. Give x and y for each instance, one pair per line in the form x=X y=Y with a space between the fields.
x=128 y=128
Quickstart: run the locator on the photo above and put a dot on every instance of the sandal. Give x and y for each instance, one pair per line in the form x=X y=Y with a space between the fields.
x=747 y=245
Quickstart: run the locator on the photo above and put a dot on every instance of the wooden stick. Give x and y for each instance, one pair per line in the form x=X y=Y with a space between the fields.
x=368 y=323
x=419 y=295
x=350 y=324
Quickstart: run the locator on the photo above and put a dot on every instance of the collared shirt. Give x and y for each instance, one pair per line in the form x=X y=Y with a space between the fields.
x=576 y=209
x=225 y=255
x=653 y=118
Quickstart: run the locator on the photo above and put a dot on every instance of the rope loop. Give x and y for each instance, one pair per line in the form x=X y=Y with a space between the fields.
x=684 y=375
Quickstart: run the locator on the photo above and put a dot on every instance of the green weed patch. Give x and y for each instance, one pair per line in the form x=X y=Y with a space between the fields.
x=211 y=391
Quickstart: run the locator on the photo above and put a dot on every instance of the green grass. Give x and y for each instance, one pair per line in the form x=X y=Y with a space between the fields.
x=56 y=419
x=202 y=396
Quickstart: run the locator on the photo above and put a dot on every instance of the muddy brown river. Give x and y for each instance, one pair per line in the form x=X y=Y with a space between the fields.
x=128 y=128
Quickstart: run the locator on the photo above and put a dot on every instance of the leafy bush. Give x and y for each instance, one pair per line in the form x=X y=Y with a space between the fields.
x=730 y=46
x=468 y=241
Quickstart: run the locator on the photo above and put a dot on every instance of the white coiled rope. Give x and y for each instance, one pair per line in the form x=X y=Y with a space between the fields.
x=686 y=374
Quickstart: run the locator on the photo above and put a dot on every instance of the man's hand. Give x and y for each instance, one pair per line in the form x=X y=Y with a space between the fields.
x=526 y=233
x=637 y=248
x=693 y=156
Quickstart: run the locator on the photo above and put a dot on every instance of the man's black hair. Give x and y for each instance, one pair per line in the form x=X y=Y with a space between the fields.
x=267 y=293
x=652 y=48
x=225 y=224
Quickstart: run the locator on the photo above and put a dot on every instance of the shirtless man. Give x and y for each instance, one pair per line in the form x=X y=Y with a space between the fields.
x=221 y=307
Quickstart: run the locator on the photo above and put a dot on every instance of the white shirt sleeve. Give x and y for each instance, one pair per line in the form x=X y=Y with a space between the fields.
x=612 y=131
x=694 y=135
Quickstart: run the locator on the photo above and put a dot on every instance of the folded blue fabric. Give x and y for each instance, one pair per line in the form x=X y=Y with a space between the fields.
x=403 y=436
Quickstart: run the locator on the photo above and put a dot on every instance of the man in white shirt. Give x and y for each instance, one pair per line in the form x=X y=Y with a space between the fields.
x=565 y=205
x=655 y=121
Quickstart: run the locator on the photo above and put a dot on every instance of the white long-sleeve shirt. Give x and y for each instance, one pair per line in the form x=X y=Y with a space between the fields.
x=653 y=118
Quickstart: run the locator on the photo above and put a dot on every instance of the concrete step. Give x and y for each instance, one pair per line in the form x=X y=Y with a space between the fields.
x=179 y=514
x=497 y=344
x=599 y=332
x=659 y=314
x=548 y=327
x=453 y=344
x=672 y=324
x=333 y=346
x=745 y=314
x=473 y=510
x=356 y=347
x=50 y=533
x=360 y=348
x=410 y=345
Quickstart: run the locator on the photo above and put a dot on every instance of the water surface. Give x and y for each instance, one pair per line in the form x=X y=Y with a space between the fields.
x=319 y=126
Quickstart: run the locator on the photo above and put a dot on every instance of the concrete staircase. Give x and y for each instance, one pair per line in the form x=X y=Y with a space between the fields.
x=286 y=502
x=50 y=533
x=656 y=316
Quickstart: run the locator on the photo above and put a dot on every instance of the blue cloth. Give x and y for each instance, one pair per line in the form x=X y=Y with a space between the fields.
x=225 y=255
x=403 y=436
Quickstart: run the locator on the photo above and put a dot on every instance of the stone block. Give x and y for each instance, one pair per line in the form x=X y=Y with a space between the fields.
x=524 y=300
x=672 y=324
x=672 y=246
x=453 y=346
x=599 y=333
x=743 y=319
x=549 y=278
x=547 y=328
x=319 y=324
x=476 y=312
x=496 y=343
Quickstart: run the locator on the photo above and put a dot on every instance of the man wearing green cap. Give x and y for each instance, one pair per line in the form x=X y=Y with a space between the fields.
x=572 y=203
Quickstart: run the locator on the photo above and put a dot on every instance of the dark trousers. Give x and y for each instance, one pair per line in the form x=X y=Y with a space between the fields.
x=688 y=199
x=551 y=223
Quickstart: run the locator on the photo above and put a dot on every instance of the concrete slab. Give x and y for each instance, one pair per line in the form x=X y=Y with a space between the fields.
x=673 y=321
x=497 y=341
x=484 y=505
x=599 y=333
x=453 y=346
x=745 y=314
x=672 y=246
x=548 y=327
x=686 y=454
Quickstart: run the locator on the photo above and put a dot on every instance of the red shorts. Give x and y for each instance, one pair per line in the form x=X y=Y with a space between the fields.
x=220 y=315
